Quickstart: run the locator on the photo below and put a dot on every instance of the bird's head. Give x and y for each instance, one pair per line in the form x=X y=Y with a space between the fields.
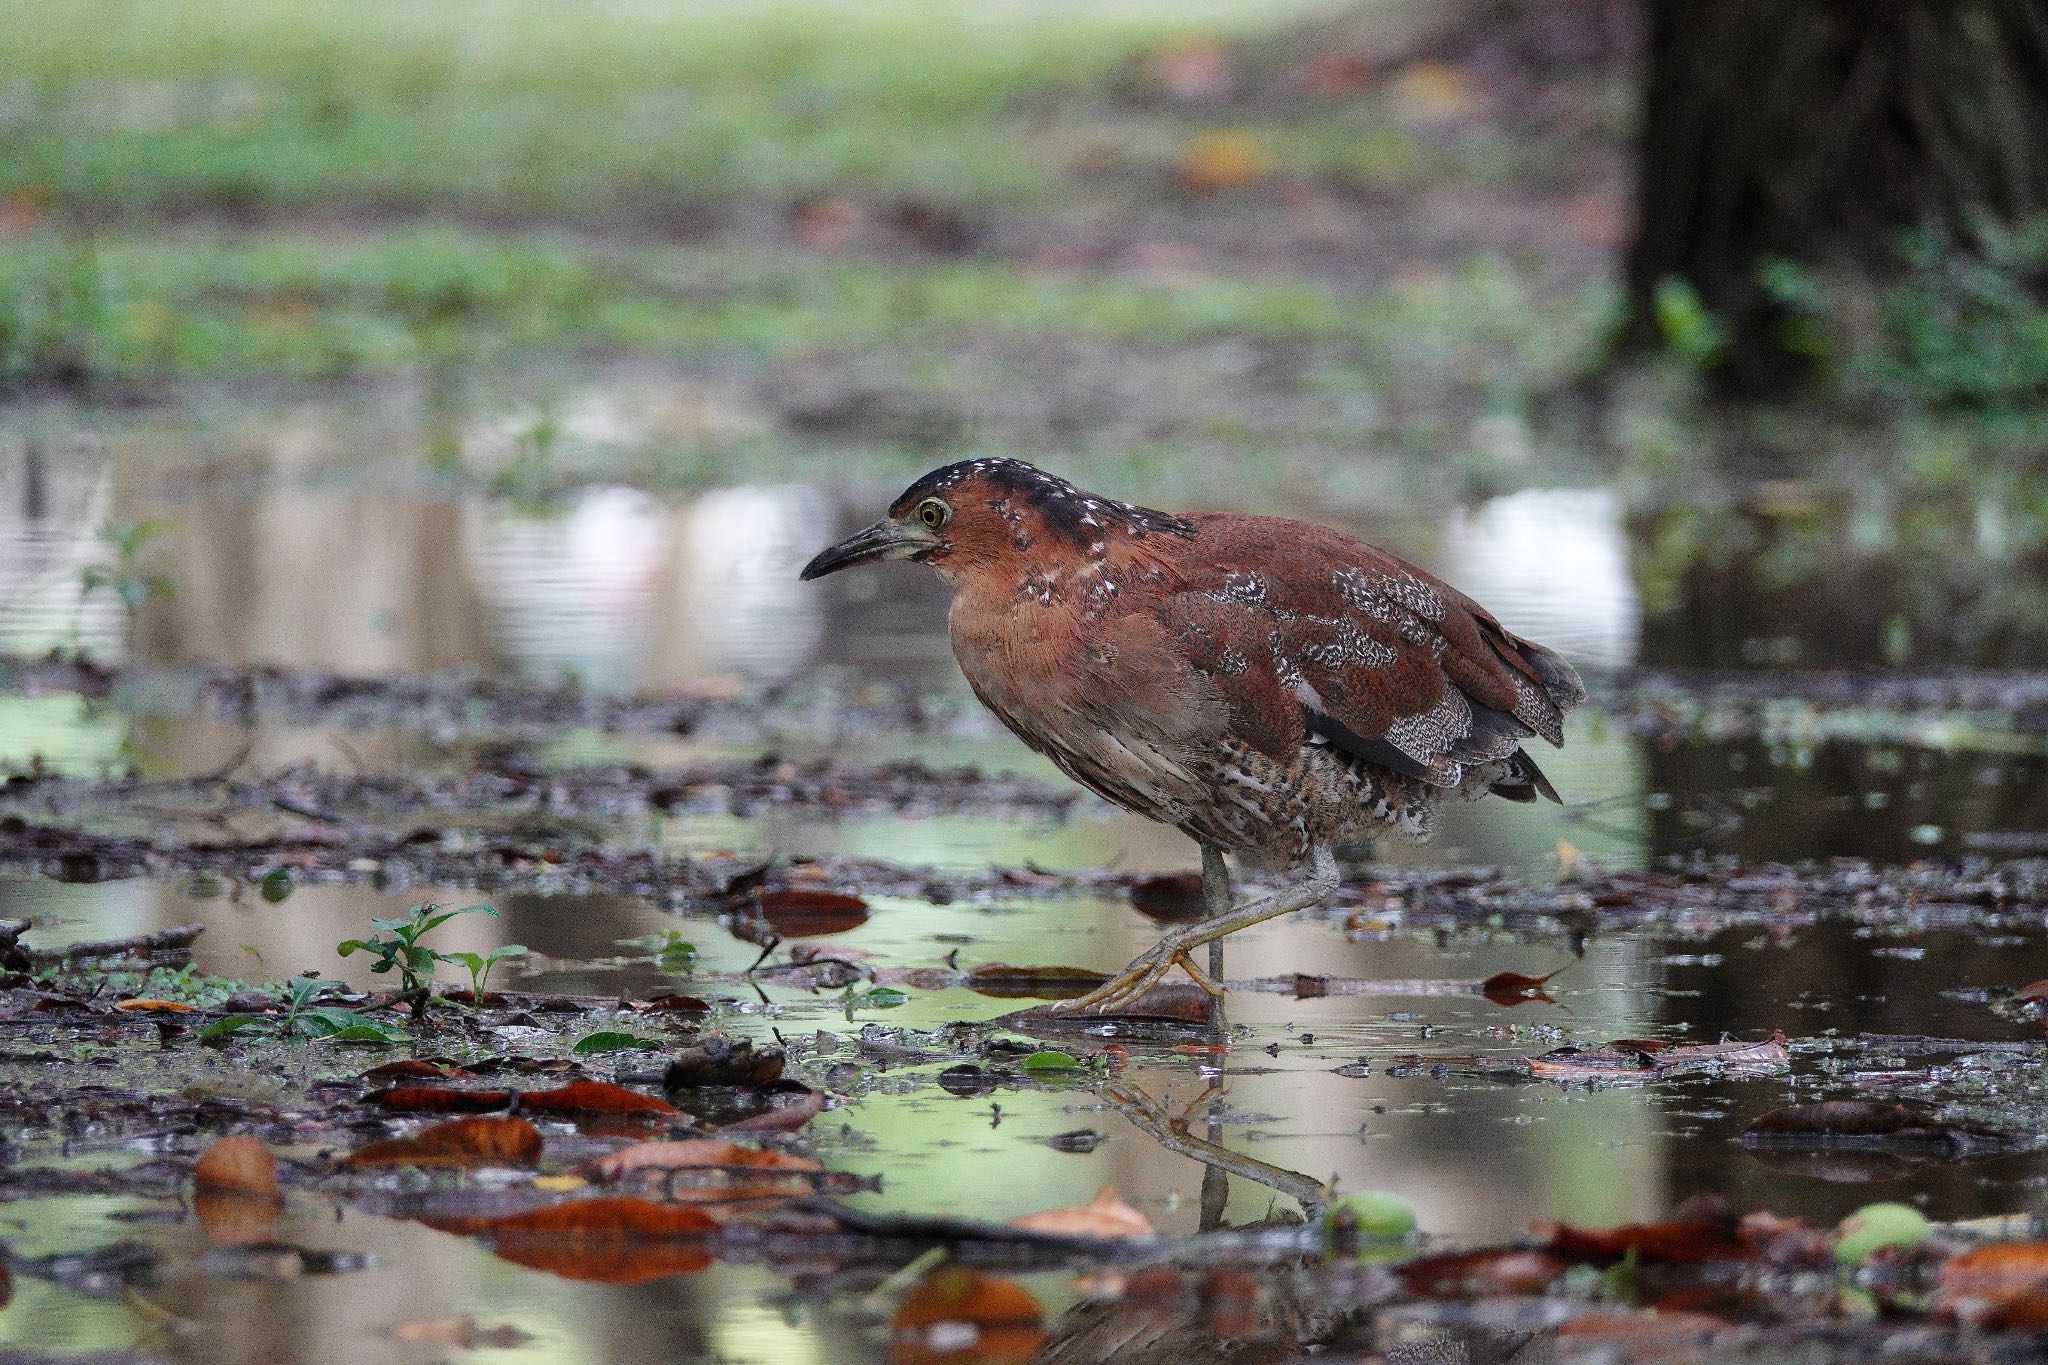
x=993 y=513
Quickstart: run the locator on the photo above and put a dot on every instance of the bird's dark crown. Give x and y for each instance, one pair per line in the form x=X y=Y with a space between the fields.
x=1067 y=512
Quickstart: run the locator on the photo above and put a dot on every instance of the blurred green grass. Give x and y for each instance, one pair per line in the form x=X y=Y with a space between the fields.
x=168 y=306
x=542 y=107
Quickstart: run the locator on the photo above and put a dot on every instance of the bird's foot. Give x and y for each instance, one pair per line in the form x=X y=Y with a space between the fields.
x=1134 y=982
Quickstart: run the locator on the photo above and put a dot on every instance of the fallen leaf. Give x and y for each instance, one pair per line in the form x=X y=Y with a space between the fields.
x=694 y=1153
x=719 y=1060
x=460 y=1142
x=1197 y=70
x=957 y=1314
x=1493 y=1273
x=231 y=1219
x=2033 y=990
x=665 y=1003
x=439 y=1099
x=1509 y=989
x=458 y=1333
x=2003 y=1287
x=1901 y=1125
x=238 y=1164
x=619 y=1239
x=786 y=1113
x=156 y=1006
x=413 y=1068
x=1434 y=92
x=1652 y=1336
x=1223 y=160
x=800 y=913
x=1105 y=1216
x=1680 y=1240
x=1004 y=982
x=596 y=1097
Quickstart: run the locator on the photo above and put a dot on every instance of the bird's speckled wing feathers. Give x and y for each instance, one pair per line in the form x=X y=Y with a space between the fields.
x=1312 y=636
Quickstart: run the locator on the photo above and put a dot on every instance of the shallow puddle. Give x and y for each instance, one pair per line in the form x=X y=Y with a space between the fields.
x=1361 y=1051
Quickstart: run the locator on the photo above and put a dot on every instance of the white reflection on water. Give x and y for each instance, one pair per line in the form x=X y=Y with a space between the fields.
x=52 y=508
x=618 y=590
x=574 y=591
x=738 y=603
x=1552 y=564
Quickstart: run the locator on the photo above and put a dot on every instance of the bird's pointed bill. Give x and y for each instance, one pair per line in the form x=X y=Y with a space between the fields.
x=883 y=540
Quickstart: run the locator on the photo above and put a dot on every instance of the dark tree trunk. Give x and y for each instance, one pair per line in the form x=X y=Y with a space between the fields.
x=1815 y=131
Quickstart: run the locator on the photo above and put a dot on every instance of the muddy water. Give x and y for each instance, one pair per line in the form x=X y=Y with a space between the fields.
x=281 y=553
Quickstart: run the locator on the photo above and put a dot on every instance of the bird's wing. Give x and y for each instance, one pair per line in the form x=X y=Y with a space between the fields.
x=1315 y=637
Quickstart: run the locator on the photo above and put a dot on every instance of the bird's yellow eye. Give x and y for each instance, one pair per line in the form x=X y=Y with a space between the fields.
x=933 y=513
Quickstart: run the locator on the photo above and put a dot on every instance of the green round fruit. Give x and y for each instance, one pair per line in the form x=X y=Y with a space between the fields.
x=1879 y=1225
x=1378 y=1217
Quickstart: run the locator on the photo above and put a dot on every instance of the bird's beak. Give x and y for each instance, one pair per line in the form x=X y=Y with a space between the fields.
x=883 y=540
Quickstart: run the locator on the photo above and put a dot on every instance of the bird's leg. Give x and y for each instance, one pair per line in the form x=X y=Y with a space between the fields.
x=1215 y=901
x=1146 y=970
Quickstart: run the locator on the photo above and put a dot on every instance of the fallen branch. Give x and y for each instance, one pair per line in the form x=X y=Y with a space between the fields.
x=178 y=939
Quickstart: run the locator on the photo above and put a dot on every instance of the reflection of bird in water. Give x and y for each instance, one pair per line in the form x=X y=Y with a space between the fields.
x=1267 y=686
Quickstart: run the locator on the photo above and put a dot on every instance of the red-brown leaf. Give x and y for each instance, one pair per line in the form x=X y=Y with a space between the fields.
x=596 y=1097
x=795 y=912
x=1679 y=1241
x=1493 y=1273
x=616 y=1239
x=1004 y=982
x=238 y=1165
x=415 y=1069
x=957 y=1314
x=458 y=1143
x=1104 y=1216
x=439 y=1099
x=2003 y=1287
x=1509 y=989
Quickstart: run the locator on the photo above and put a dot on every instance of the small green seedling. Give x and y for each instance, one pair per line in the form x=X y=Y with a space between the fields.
x=479 y=966
x=396 y=945
x=875 y=998
x=305 y=1017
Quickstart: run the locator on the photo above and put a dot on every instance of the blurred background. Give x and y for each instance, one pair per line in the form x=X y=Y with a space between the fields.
x=523 y=341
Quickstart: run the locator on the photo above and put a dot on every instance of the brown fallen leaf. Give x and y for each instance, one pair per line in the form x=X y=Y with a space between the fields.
x=1104 y=1216
x=1905 y=1125
x=786 y=1113
x=1680 y=1240
x=957 y=1314
x=414 y=1068
x=596 y=1097
x=719 y=1060
x=2033 y=990
x=1225 y=159
x=1493 y=1273
x=2003 y=1287
x=617 y=1239
x=1664 y=1335
x=796 y=912
x=238 y=1164
x=231 y=1219
x=439 y=1099
x=661 y=1004
x=1509 y=989
x=736 y=1167
x=458 y=1333
x=156 y=1006
x=458 y=1143
x=1004 y=982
